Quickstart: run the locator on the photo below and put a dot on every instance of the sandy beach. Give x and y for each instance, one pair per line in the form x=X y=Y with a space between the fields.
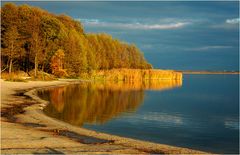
x=26 y=129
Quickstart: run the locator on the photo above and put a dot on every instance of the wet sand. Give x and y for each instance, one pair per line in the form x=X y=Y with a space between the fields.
x=26 y=129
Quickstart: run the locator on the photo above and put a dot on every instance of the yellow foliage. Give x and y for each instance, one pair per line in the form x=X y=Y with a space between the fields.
x=57 y=64
x=136 y=75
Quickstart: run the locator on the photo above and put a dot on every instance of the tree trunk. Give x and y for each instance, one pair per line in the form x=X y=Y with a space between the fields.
x=36 y=67
x=8 y=61
x=10 y=66
x=43 y=67
x=27 y=65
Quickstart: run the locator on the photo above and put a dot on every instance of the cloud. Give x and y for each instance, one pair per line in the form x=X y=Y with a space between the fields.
x=233 y=21
x=88 y=20
x=227 y=24
x=206 y=48
x=133 y=25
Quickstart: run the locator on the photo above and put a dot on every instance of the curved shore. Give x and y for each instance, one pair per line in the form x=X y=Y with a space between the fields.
x=31 y=131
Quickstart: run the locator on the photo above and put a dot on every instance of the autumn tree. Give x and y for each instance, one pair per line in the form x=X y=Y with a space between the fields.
x=12 y=45
x=75 y=48
x=36 y=41
x=11 y=41
x=50 y=28
x=57 y=61
x=31 y=37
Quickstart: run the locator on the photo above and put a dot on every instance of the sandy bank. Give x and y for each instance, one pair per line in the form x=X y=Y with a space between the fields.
x=25 y=129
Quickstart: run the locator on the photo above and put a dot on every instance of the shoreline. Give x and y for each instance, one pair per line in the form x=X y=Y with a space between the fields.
x=69 y=138
x=209 y=72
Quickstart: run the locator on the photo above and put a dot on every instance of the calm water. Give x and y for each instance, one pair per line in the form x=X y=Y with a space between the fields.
x=202 y=112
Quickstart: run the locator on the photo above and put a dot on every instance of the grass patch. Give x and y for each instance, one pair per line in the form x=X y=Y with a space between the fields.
x=14 y=77
x=20 y=76
x=42 y=76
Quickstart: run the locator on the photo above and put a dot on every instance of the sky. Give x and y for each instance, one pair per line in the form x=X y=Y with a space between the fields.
x=180 y=35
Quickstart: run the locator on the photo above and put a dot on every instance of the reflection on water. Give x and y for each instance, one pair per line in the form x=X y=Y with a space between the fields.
x=96 y=103
x=202 y=114
x=57 y=98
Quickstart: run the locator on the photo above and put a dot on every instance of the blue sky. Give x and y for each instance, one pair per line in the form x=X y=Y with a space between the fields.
x=172 y=35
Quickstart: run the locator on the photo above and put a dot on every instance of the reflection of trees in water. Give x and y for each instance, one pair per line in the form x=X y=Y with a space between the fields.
x=86 y=103
x=57 y=97
x=141 y=85
x=96 y=102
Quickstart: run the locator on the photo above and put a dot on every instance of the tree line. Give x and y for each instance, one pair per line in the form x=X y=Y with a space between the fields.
x=34 y=39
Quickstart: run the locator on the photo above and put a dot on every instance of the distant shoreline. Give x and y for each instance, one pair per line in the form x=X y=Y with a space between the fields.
x=210 y=72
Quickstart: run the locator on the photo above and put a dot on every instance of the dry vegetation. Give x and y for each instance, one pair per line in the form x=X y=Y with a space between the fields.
x=135 y=78
x=20 y=76
x=16 y=76
x=136 y=75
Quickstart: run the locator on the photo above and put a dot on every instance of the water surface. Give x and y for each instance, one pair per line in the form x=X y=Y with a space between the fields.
x=200 y=113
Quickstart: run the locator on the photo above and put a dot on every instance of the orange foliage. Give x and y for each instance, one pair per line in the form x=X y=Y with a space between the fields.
x=57 y=63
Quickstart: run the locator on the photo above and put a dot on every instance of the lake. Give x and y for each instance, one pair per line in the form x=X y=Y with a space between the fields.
x=201 y=112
